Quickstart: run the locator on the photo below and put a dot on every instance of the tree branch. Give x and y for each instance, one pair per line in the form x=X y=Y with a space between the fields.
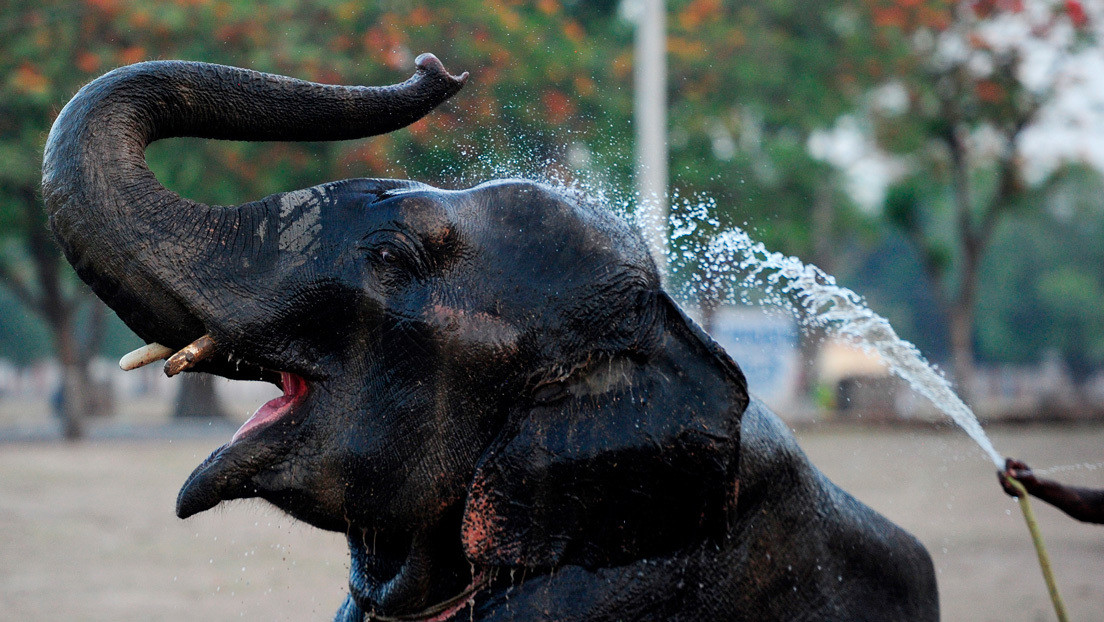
x=45 y=297
x=1010 y=184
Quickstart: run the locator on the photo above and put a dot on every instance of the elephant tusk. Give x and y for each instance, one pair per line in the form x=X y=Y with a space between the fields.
x=189 y=355
x=144 y=356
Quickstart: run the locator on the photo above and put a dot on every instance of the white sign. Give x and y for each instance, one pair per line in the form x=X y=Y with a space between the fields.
x=765 y=346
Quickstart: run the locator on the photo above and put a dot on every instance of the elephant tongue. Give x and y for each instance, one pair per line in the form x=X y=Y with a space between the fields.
x=295 y=389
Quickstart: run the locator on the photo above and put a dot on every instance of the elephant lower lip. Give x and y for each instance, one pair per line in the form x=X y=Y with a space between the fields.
x=229 y=472
x=295 y=390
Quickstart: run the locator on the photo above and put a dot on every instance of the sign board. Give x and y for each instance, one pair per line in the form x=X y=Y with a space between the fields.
x=766 y=347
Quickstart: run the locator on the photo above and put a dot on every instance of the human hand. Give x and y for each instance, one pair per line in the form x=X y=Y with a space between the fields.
x=1019 y=471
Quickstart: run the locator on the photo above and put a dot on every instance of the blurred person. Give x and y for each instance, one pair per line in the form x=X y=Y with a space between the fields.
x=1084 y=504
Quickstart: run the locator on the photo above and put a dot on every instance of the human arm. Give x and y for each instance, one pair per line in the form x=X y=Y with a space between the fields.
x=1083 y=504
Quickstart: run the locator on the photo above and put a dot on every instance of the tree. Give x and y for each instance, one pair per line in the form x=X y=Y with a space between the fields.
x=31 y=266
x=1044 y=284
x=750 y=83
x=42 y=285
x=976 y=86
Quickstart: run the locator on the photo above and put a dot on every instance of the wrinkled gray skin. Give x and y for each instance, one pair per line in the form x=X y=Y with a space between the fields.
x=487 y=390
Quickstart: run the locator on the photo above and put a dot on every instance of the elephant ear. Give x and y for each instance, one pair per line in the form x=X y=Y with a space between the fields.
x=629 y=457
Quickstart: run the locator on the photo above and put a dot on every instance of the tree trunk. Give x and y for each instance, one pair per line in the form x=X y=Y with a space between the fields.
x=44 y=295
x=970 y=246
x=74 y=381
x=962 y=351
x=709 y=313
x=197 y=398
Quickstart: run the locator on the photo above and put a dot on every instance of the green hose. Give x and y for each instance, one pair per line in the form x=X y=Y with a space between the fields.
x=1040 y=548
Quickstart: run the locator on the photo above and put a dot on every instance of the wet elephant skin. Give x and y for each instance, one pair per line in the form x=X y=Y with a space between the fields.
x=487 y=390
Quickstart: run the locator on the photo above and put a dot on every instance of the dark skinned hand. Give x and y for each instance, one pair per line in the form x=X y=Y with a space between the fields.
x=1019 y=471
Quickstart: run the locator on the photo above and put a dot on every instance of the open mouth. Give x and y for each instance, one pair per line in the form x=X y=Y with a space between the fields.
x=195 y=356
x=295 y=390
x=230 y=471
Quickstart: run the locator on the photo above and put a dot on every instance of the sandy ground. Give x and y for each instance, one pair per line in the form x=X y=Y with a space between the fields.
x=942 y=488
x=88 y=532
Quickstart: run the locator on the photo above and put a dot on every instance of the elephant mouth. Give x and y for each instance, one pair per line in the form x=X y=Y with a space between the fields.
x=199 y=357
x=281 y=408
x=257 y=448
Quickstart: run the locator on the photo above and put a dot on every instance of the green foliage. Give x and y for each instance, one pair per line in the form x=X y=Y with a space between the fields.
x=891 y=278
x=1043 y=289
x=750 y=81
x=902 y=206
x=547 y=77
x=534 y=90
x=958 y=124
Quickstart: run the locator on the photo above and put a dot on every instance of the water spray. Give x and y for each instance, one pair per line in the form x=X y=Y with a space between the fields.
x=841 y=312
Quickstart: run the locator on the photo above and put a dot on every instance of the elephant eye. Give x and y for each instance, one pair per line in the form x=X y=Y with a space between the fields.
x=394 y=258
x=387 y=257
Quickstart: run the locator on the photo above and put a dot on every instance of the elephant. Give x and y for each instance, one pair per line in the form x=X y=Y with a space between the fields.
x=487 y=390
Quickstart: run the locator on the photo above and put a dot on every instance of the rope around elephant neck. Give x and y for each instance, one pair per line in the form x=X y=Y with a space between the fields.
x=1040 y=549
x=443 y=610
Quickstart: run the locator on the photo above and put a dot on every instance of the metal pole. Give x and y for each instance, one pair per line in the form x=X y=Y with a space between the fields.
x=650 y=73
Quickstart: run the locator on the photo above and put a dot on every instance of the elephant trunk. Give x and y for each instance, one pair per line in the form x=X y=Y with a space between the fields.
x=157 y=257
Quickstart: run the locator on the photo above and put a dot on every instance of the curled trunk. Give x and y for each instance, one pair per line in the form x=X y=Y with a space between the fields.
x=158 y=258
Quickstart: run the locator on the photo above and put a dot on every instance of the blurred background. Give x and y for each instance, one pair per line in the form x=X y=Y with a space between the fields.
x=943 y=159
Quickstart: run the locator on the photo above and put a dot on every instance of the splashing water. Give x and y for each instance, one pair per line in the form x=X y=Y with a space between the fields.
x=733 y=258
x=732 y=266
x=1083 y=466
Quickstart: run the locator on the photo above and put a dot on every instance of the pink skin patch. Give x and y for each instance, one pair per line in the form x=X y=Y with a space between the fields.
x=295 y=390
x=477 y=532
x=482 y=532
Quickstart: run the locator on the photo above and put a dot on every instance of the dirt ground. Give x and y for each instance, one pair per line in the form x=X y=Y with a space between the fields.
x=88 y=532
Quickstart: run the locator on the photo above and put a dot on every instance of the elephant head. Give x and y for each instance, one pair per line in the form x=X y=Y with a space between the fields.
x=473 y=380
